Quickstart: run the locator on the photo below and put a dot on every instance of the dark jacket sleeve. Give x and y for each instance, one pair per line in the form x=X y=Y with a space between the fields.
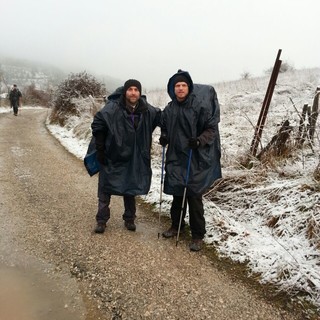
x=100 y=140
x=163 y=121
x=99 y=130
x=211 y=118
x=157 y=119
x=206 y=136
x=98 y=124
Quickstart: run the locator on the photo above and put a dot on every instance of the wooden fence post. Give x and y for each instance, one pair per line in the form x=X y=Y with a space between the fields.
x=265 y=105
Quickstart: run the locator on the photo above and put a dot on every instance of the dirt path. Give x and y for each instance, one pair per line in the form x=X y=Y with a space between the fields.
x=47 y=209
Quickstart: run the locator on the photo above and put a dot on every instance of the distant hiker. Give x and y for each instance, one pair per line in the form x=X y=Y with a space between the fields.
x=190 y=122
x=123 y=133
x=14 y=97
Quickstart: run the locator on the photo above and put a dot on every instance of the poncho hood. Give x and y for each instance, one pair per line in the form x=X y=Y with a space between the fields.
x=170 y=86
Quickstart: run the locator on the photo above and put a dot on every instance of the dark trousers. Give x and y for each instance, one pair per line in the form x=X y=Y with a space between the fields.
x=15 y=105
x=103 y=214
x=196 y=215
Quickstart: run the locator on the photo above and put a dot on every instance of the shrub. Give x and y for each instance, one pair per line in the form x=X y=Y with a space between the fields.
x=31 y=95
x=79 y=85
x=245 y=75
x=285 y=67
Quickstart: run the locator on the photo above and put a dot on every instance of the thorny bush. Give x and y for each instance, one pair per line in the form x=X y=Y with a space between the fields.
x=79 y=85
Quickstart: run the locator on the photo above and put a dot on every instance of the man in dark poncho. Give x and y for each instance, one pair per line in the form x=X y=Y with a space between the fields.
x=123 y=133
x=190 y=122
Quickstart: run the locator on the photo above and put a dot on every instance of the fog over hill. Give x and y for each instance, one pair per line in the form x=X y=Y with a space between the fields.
x=25 y=72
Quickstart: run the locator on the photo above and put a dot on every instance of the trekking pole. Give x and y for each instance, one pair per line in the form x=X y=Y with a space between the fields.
x=161 y=187
x=184 y=195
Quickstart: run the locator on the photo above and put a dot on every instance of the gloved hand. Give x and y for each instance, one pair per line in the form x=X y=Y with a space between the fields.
x=193 y=143
x=100 y=156
x=163 y=140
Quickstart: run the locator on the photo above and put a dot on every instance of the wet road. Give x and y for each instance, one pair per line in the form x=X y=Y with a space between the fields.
x=30 y=286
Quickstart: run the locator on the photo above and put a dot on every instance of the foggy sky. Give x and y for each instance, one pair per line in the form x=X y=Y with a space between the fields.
x=215 y=40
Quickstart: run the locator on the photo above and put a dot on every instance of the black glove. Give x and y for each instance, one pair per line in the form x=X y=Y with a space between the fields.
x=100 y=156
x=193 y=143
x=163 y=140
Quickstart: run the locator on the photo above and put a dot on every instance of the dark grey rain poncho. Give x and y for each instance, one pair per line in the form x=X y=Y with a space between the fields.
x=198 y=116
x=127 y=169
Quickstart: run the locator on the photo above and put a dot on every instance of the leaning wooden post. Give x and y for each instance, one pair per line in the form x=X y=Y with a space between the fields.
x=265 y=105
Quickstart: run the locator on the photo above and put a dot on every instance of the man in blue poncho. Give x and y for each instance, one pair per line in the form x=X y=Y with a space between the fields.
x=190 y=122
x=123 y=135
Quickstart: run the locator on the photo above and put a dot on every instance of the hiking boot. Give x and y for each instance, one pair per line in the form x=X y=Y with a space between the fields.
x=170 y=233
x=100 y=227
x=196 y=245
x=129 y=224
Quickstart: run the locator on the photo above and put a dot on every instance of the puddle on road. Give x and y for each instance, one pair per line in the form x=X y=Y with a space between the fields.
x=29 y=295
x=30 y=288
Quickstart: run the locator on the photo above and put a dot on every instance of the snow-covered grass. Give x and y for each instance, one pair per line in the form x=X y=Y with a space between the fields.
x=267 y=216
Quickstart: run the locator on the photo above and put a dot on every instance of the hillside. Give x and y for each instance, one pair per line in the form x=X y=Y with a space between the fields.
x=24 y=73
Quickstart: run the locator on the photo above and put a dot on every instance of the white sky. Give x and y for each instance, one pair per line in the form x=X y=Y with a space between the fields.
x=149 y=40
